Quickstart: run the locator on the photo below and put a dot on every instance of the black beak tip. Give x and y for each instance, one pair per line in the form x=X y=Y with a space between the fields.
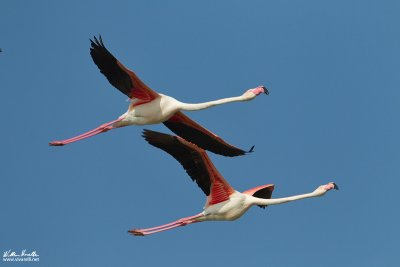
x=335 y=186
x=265 y=90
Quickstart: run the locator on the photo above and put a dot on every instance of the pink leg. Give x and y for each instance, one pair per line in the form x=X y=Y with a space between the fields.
x=101 y=129
x=168 y=226
x=175 y=222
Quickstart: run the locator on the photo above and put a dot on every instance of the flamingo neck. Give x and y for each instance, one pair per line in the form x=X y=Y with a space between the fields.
x=276 y=201
x=205 y=105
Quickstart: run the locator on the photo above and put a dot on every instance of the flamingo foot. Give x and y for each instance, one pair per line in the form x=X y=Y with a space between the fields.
x=56 y=143
x=136 y=232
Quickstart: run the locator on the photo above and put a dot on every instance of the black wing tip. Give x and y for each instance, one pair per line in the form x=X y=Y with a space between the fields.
x=147 y=132
x=97 y=42
x=154 y=137
x=226 y=152
x=251 y=150
x=203 y=140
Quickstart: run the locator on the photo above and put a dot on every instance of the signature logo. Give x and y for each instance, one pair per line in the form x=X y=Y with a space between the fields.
x=11 y=255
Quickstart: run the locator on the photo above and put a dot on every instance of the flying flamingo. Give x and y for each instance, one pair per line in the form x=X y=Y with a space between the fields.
x=149 y=107
x=223 y=202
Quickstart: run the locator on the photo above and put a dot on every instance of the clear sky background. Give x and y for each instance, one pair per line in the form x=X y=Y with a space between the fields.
x=332 y=68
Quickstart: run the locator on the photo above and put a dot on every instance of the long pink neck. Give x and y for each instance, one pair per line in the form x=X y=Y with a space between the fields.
x=205 y=105
x=248 y=95
x=276 y=201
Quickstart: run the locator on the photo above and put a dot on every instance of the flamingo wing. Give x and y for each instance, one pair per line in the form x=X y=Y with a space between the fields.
x=196 y=163
x=188 y=129
x=117 y=74
x=262 y=191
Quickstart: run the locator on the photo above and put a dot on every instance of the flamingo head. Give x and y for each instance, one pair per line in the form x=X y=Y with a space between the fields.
x=264 y=89
x=252 y=93
x=321 y=190
x=259 y=90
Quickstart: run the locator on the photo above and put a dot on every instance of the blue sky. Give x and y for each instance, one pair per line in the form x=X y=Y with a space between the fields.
x=332 y=68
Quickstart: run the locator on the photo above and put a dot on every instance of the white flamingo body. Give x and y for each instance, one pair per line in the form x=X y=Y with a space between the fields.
x=164 y=107
x=238 y=203
x=149 y=107
x=157 y=111
x=228 y=210
x=223 y=202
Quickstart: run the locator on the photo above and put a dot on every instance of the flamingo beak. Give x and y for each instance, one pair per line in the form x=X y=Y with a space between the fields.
x=265 y=89
x=335 y=186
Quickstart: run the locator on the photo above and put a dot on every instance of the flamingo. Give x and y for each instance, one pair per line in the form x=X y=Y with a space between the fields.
x=149 y=107
x=223 y=202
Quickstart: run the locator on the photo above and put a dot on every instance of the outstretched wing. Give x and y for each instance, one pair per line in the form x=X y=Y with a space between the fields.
x=117 y=74
x=263 y=191
x=188 y=129
x=196 y=163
